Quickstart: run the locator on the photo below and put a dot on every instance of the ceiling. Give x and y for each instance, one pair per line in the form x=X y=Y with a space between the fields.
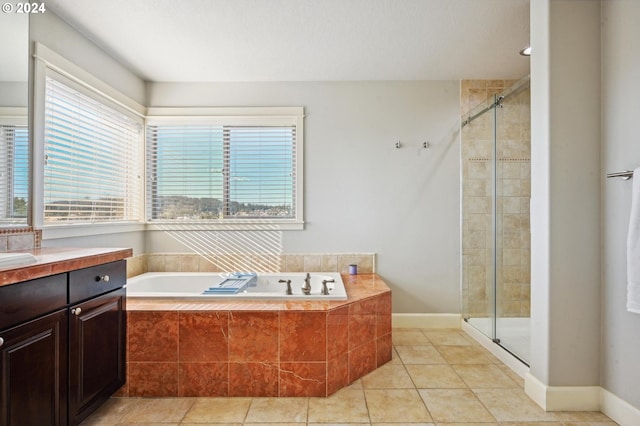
x=307 y=40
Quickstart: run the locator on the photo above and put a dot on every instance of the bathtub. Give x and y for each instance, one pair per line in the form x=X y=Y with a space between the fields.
x=193 y=284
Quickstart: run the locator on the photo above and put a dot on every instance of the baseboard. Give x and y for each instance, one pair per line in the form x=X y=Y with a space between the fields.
x=425 y=320
x=582 y=398
x=618 y=410
x=573 y=398
x=536 y=390
x=562 y=398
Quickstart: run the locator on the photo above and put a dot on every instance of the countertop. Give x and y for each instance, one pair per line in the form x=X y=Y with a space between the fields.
x=55 y=260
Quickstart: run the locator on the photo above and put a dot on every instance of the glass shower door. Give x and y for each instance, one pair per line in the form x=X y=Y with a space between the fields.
x=495 y=149
x=513 y=191
x=478 y=237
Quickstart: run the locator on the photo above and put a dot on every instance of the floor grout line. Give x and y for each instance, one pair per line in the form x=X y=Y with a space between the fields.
x=388 y=383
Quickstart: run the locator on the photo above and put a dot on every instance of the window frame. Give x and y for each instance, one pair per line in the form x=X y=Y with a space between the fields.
x=93 y=104
x=239 y=116
x=47 y=61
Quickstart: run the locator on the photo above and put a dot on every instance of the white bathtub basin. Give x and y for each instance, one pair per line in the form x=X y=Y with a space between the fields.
x=16 y=259
x=193 y=284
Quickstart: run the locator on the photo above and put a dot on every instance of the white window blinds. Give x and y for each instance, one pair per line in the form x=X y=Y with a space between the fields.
x=14 y=177
x=91 y=171
x=201 y=172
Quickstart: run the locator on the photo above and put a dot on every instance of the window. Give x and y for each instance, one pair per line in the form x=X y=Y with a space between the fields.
x=91 y=171
x=14 y=177
x=224 y=169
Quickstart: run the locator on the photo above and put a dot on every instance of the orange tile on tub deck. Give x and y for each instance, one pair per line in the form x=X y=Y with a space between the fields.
x=303 y=379
x=253 y=336
x=337 y=373
x=384 y=349
x=362 y=360
x=303 y=336
x=258 y=379
x=153 y=336
x=362 y=329
x=203 y=336
x=337 y=332
x=274 y=348
x=383 y=314
x=206 y=379
x=366 y=306
x=153 y=379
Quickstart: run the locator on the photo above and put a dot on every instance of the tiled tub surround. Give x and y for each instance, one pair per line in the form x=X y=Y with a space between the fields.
x=216 y=262
x=258 y=348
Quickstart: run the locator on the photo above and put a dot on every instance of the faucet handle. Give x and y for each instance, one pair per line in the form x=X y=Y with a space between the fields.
x=325 y=289
x=289 y=292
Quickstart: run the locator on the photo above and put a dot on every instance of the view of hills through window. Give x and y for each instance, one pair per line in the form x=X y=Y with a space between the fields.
x=200 y=172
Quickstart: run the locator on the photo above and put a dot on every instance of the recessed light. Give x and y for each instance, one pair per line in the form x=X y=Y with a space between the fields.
x=526 y=51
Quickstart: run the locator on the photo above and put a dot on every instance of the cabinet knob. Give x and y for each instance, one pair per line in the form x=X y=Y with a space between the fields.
x=104 y=278
x=76 y=311
x=1 y=341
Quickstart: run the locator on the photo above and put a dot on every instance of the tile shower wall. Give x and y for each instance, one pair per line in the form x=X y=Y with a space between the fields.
x=188 y=262
x=513 y=191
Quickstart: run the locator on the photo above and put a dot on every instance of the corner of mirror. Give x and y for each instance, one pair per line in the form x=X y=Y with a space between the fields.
x=14 y=129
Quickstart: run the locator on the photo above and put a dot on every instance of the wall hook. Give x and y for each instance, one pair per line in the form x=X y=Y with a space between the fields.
x=398 y=144
x=426 y=145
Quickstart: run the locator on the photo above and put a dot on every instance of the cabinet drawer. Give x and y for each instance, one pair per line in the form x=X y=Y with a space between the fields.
x=89 y=282
x=27 y=300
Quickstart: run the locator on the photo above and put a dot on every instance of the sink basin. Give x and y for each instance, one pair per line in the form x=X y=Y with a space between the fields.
x=16 y=259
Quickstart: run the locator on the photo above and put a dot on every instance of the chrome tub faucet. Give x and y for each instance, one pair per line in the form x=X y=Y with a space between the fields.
x=288 y=282
x=306 y=288
x=325 y=290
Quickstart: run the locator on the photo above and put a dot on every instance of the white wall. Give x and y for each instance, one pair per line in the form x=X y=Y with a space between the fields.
x=48 y=29
x=361 y=193
x=586 y=57
x=621 y=151
x=13 y=94
x=565 y=193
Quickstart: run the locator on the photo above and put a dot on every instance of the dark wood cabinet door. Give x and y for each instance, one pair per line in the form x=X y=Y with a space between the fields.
x=33 y=368
x=97 y=336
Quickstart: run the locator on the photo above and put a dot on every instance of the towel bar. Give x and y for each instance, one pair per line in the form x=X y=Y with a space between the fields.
x=626 y=175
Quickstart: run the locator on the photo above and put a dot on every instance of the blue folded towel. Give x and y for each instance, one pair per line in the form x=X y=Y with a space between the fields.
x=235 y=283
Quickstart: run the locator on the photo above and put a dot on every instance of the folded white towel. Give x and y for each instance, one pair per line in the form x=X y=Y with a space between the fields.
x=633 y=248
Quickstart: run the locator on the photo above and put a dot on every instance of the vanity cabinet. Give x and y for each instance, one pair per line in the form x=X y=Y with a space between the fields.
x=97 y=335
x=62 y=345
x=34 y=371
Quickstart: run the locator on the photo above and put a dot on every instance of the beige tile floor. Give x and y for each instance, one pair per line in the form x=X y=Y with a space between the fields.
x=436 y=377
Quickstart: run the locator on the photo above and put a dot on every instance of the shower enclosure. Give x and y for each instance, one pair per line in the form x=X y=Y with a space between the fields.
x=496 y=187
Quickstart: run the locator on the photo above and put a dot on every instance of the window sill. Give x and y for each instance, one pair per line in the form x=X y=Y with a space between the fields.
x=52 y=232
x=227 y=225
x=68 y=230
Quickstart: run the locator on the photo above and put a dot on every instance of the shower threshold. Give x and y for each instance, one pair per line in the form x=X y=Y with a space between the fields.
x=513 y=333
